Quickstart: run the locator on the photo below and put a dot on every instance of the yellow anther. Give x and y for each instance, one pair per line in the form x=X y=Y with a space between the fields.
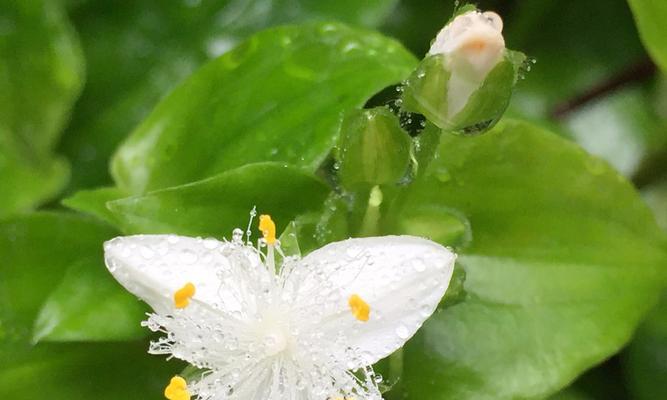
x=183 y=295
x=360 y=309
x=177 y=389
x=268 y=228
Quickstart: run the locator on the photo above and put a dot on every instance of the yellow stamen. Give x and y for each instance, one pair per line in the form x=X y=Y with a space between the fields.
x=360 y=309
x=183 y=295
x=177 y=389
x=268 y=228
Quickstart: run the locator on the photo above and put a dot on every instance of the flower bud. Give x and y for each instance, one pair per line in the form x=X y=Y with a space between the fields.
x=465 y=81
x=373 y=148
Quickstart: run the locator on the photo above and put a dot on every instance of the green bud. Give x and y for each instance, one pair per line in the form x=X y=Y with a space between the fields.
x=465 y=82
x=373 y=148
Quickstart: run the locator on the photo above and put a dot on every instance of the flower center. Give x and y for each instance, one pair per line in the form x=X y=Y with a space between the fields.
x=274 y=342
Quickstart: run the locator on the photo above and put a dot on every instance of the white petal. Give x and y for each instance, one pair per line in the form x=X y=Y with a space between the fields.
x=154 y=267
x=401 y=278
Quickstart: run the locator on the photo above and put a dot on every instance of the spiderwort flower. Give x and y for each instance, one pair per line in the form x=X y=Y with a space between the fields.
x=307 y=329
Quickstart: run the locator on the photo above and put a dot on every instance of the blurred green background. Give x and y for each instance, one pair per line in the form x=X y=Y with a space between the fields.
x=77 y=76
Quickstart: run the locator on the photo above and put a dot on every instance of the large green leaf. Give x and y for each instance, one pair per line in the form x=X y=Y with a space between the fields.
x=155 y=44
x=563 y=261
x=650 y=16
x=276 y=97
x=83 y=371
x=40 y=76
x=215 y=206
x=37 y=252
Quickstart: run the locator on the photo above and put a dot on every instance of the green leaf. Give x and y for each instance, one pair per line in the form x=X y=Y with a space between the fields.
x=83 y=371
x=218 y=119
x=37 y=249
x=89 y=306
x=650 y=16
x=40 y=76
x=215 y=206
x=40 y=71
x=563 y=262
x=26 y=182
x=158 y=44
x=94 y=202
x=53 y=268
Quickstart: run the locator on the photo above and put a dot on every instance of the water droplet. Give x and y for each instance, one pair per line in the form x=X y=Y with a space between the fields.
x=147 y=253
x=210 y=243
x=425 y=310
x=188 y=257
x=419 y=265
x=402 y=332
x=443 y=175
x=237 y=236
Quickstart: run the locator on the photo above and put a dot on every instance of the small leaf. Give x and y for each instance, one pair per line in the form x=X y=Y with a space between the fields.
x=215 y=206
x=94 y=202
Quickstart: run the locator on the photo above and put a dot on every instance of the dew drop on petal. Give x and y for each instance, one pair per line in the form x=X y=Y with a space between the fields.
x=237 y=236
x=425 y=310
x=402 y=332
x=188 y=256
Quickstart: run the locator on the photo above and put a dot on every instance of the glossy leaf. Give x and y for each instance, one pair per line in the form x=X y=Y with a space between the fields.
x=83 y=371
x=94 y=202
x=38 y=250
x=155 y=45
x=563 y=262
x=214 y=121
x=88 y=306
x=215 y=206
x=40 y=76
x=650 y=16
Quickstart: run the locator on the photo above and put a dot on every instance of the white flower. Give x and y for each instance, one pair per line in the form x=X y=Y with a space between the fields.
x=473 y=44
x=308 y=329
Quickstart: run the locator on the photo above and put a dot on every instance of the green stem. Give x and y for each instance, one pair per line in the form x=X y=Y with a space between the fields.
x=371 y=221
